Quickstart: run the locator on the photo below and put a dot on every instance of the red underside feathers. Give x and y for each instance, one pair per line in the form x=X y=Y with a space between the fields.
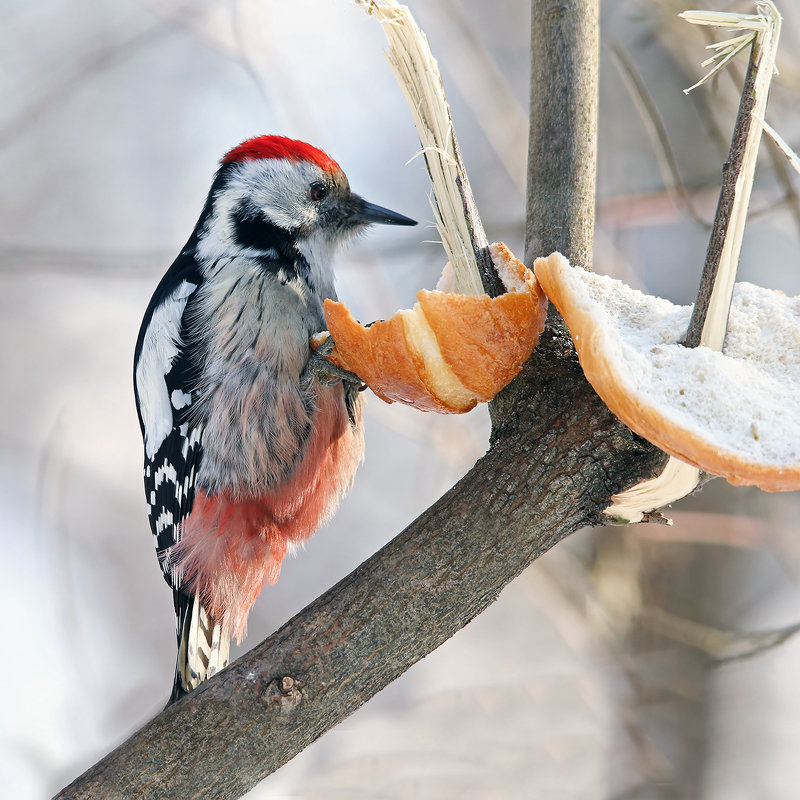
x=230 y=547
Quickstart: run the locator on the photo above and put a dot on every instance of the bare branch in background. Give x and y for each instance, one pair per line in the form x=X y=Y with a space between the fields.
x=667 y=163
x=484 y=88
x=71 y=81
x=18 y=259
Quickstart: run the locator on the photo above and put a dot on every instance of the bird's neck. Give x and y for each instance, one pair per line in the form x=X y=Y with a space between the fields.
x=319 y=253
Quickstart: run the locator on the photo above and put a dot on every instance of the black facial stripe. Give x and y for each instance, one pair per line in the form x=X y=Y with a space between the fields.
x=251 y=229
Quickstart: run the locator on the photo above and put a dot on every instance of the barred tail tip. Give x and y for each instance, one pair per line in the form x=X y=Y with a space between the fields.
x=203 y=650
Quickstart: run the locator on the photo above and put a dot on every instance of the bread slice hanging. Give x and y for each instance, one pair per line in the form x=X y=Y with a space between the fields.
x=734 y=413
x=450 y=351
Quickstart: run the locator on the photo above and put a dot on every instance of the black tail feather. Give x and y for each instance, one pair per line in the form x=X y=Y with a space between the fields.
x=184 y=604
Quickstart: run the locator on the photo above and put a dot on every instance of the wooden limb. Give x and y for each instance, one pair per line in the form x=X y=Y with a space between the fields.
x=562 y=149
x=562 y=154
x=727 y=195
x=537 y=484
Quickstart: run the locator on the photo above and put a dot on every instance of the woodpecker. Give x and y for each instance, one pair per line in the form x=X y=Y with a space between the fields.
x=250 y=439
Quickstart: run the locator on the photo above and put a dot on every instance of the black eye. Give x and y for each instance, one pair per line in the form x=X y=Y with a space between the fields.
x=318 y=191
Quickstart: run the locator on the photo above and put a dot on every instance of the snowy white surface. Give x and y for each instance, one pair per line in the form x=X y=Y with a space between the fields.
x=742 y=401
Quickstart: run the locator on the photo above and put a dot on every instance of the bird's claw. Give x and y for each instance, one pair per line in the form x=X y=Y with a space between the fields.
x=326 y=348
x=320 y=369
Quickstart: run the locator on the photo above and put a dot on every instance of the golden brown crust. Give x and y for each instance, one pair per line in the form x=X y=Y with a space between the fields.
x=482 y=344
x=647 y=419
x=380 y=356
x=485 y=342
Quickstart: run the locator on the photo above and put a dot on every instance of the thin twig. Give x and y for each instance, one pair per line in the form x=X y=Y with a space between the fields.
x=727 y=195
x=668 y=164
x=710 y=314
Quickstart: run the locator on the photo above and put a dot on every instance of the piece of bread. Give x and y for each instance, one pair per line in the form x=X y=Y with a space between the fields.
x=450 y=351
x=734 y=413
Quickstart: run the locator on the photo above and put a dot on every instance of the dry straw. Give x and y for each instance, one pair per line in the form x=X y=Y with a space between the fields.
x=417 y=72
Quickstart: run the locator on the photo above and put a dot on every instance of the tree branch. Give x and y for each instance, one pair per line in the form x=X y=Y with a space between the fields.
x=727 y=194
x=556 y=456
x=562 y=149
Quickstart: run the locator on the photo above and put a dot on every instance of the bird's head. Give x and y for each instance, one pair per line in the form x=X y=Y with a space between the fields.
x=272 y=192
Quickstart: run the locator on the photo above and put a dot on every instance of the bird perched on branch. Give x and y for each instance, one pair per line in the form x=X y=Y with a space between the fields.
x=250 y=438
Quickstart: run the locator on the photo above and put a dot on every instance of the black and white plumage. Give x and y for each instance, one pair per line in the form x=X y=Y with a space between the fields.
x=162 y=376
x=245 y=455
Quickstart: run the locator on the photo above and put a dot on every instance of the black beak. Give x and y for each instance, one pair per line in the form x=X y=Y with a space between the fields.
x=367 y=213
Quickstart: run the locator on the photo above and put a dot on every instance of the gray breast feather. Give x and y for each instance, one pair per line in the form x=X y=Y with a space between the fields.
x=253 y=328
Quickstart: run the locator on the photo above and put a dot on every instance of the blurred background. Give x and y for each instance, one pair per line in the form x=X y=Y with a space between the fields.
x=644 y=662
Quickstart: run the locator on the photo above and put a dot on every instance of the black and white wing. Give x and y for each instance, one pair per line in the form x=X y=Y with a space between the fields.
x=163 y=396
x=163 y=384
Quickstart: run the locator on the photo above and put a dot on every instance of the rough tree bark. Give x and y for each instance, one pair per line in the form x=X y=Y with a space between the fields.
x=555 y=458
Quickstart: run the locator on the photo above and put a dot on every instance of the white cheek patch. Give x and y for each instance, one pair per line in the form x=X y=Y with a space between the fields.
x=319 y=252
x=277 y=187
x=159 y=349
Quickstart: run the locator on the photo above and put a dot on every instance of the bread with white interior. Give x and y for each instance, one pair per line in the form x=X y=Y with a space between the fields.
x=733 y=413
x=450 y=351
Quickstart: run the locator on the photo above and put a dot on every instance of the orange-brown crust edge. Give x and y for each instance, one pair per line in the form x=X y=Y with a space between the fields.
x=484 y=341
x=498 y=334
x=647 y=420
x=381 y=357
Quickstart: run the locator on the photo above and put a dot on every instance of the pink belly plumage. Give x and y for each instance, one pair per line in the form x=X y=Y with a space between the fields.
x=232 y=545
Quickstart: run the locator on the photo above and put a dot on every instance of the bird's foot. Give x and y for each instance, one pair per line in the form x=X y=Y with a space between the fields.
x=320 y=369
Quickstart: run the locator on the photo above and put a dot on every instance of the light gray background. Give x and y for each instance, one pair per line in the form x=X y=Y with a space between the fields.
x=113 y=114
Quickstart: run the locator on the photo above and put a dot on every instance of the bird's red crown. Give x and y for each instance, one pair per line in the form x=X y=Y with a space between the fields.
x=280 y=147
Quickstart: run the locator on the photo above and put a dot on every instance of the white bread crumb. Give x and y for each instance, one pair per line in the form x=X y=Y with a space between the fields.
x=447 y=280
x=742 y=402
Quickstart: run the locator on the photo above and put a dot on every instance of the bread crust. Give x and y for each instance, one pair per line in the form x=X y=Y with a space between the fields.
x=647 y=419
x=482 y=343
